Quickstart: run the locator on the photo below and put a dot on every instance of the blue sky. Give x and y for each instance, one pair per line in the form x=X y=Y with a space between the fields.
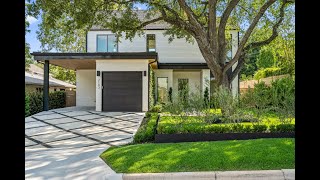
x=31 y=37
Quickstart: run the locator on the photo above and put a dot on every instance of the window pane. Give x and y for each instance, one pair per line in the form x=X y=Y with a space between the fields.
x=102 y=43
x=112 y=43
x=151 y=43
x=162 y=89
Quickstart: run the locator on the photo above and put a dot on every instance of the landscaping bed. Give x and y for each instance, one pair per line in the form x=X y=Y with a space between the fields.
x=258 y=154
x=195 y=128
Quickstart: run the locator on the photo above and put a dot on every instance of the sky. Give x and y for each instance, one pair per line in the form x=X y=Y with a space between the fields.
x=31 y=37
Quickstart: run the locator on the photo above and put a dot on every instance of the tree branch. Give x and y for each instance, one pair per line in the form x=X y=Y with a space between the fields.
x=274 y=29
x=192 y=17
x=212 y=25
x=247 y=34
x=222 y=29
x=149 y=22
x=238 y=68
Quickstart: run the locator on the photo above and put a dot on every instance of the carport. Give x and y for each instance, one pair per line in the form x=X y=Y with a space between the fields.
x=109 y=81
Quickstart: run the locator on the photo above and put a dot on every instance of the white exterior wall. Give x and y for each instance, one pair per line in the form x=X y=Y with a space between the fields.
x=194 y=80
x=205 y=79
x=235 y=82
x=178 y=51
x=86 y=87
x=122 y=65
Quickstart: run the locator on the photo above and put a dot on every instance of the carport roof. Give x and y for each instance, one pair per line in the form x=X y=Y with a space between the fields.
x=87 y=60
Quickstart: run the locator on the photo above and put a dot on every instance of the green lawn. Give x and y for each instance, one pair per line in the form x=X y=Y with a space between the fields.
x=260 y=154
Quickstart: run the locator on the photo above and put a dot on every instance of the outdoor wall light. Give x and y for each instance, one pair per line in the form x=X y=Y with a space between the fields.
x=98 y=73
x=144 y=73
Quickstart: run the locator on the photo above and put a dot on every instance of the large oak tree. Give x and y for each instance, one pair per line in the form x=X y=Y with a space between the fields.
x=65 y=23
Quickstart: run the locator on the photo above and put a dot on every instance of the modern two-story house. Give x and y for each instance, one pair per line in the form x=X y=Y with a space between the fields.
x=114 y=75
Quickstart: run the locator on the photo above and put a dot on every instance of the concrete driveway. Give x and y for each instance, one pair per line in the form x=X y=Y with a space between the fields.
x=66 y=143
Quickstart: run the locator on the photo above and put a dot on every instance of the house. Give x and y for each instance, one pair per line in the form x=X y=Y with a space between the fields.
x=34 y=81
x=114 y=76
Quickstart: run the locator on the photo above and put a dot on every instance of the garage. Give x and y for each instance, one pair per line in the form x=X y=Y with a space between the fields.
x=122 y=91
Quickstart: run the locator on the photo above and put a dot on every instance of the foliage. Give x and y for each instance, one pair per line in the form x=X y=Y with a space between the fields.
x=250 y=65
x=65 y=24
x=267 y=72
x=170 y=94
x=147 y=129
x=174 y=125
x=56 y=100
x=259 y=154
x=152 y=88
x=206 y=97
x=223 y=99
x=266 y=59
x=279 y=97
x=63 y=74
x=157 y=108
x=27 y=55
x=26 y=105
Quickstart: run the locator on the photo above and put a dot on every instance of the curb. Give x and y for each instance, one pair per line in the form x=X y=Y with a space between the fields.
x=283 y=174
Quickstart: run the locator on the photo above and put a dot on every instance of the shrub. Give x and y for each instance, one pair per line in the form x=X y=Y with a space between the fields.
x=285 y=127
x=151 y=88
x=170 y=94
x=57 y=99
x=259 y=127
x=206 y=97
x=267 y=72
x=26 y=105
x=147 y=129
x=272 y=128
x=156 y=108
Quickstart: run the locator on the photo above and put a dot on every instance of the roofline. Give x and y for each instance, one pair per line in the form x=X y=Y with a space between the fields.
x=236 y=29
x=42 y=56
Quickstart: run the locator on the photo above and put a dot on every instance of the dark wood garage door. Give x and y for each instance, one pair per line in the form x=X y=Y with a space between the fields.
x=122 y=91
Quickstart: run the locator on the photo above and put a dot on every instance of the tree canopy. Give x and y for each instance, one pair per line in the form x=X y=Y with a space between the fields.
x=66 y=22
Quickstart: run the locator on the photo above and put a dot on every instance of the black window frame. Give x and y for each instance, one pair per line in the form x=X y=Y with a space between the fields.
x=107 y=41
x=147 y=43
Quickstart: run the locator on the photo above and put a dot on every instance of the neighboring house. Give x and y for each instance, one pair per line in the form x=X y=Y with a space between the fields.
x=245 y=85
x=34 y=83
x=115 y=76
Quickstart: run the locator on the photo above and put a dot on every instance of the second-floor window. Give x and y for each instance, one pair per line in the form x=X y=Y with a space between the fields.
x=151 y=42
x=107 y=43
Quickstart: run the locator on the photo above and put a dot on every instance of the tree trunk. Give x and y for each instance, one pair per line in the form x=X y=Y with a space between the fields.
x=223 y=80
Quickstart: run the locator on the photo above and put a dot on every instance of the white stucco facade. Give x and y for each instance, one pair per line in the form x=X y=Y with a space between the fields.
x=122 y=65
x=235 y=82
x=86 y=87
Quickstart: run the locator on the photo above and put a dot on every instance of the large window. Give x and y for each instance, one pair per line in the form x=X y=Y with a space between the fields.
x=107 y=43
x=162 y=85
x=151 y=42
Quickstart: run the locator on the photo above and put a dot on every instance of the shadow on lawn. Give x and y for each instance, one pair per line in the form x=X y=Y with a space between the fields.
x=202 y=156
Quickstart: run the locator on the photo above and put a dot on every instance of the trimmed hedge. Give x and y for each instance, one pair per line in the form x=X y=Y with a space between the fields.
x=223 y=128
x=147 y=129
x=26 y=106
x=34 y=102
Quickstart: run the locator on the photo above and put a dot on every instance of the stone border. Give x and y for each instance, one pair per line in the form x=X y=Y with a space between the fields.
x=170 y=138
x=283 y=174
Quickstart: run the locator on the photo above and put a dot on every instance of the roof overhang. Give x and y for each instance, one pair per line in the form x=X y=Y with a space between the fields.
x=183 y=66
x=76 y=61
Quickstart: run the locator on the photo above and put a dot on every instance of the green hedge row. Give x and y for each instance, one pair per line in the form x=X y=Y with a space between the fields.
x=34 y=102
x=147 y=129
x=224 y=128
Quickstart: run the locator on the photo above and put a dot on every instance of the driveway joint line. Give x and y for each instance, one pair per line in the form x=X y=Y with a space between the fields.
x=97 y=140
x=38 y=142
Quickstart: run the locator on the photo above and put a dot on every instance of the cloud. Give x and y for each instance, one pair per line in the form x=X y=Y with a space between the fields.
x=31 y=19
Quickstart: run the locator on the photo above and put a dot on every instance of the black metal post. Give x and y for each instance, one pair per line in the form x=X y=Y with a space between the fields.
x=46 y=86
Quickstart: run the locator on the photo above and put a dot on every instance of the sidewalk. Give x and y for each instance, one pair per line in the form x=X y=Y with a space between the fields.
x=284 y=174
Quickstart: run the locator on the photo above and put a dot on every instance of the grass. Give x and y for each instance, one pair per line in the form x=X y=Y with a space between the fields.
x=259 y=154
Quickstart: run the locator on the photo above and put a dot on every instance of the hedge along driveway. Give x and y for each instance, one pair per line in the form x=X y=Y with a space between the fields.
x=34 y=101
